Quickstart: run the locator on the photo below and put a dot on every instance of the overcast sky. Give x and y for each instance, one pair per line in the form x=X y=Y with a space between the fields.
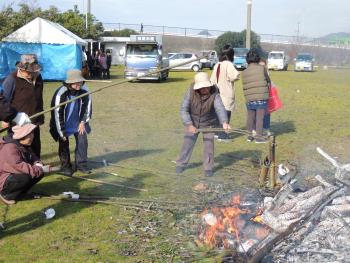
x=316 y=17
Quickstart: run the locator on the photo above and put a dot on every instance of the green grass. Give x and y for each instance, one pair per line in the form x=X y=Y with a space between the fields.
x=137 y=126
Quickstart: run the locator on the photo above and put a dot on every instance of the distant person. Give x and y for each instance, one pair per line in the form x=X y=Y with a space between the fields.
x=71 y=119
x=23 y=89
x=256 y=93
x=20 y=168
x=96 y=65
x=267 y=116
x=102 y=59
x=141 y=28
x=223 y=76
x=109 y=63
x=200 y=108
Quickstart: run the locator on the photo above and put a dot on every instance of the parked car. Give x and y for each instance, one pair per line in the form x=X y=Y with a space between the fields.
x=304 y=62
x=277 y=60
x=180 y=58
x=240 y=61
x=210 y=60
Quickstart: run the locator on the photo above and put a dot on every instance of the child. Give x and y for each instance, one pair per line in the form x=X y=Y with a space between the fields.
x=71 y=119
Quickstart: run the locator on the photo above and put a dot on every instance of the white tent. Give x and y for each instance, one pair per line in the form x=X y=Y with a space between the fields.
x=57 y=49
x=41 y=30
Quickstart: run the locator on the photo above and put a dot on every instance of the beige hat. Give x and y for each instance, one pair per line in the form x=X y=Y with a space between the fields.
x=29 y=62
x=201 y=80
x=20 y=132
x=74 y=76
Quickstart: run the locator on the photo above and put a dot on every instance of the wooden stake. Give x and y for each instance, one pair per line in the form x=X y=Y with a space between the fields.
x=272 y=155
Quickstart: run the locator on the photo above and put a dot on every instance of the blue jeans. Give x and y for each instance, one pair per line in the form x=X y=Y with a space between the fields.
x=267 y=120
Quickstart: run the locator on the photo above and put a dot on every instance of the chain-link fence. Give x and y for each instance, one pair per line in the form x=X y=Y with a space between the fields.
x=209 y=33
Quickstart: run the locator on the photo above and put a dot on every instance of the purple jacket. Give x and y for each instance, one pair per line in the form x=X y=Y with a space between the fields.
x=17 y=159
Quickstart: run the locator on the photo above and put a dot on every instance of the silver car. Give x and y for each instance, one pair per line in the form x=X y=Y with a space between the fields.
x=180 y=58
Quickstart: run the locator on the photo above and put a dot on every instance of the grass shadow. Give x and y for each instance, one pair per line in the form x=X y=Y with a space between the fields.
x=115 y=157
x=229 y=159
x=279 y=128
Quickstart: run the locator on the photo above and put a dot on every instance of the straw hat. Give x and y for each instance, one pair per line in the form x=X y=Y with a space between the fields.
x=74 y=76
x=29 y=62
x=20 y=132
x=201 y=80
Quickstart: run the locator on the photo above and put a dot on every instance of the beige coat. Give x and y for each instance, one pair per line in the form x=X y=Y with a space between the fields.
x=228 y=74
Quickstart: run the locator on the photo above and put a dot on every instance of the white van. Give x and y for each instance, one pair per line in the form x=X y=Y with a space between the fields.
x=277 y=60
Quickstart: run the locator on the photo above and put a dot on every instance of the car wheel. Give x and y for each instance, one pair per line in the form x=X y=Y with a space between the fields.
x=195 y=68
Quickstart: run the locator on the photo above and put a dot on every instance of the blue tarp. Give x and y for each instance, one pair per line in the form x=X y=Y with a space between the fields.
x=55 y=59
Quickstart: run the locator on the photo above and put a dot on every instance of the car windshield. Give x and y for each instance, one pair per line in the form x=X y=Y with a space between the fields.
x=304 y=57
x=275 y=56
x=143 y=50
x=240 y=52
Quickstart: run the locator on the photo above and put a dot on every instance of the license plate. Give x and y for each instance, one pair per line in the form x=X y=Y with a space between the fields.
x=140 y=74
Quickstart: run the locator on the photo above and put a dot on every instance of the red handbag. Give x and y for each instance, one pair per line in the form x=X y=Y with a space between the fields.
x=274 y=102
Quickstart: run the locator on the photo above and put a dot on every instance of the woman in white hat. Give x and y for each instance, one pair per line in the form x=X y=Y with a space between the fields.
x=71 y=119
x=200 y=108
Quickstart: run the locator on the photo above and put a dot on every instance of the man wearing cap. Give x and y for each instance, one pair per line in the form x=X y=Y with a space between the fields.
x=71 y=119
x=23 y=89
x=200 y=108
x=20 y=168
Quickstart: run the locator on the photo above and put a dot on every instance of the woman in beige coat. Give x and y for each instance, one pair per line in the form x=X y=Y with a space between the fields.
x=223 y=76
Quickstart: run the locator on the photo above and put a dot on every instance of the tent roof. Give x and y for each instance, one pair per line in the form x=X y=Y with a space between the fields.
x=44 y=31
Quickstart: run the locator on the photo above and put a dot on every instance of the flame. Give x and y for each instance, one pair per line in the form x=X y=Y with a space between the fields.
x=224 y=225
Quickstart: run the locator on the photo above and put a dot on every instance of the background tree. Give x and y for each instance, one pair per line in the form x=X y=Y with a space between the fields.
x=236 y=40
x=73 y=20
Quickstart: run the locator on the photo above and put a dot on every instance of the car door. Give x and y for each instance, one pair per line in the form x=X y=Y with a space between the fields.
x=187 y=57
x=175 y=60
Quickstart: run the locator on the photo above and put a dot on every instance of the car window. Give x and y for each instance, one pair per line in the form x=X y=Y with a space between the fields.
x=276 y=56
x=187 y=55
x=304 y=57
x=142 y=50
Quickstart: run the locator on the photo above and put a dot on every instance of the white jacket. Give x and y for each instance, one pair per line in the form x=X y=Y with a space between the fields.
x=228 y=74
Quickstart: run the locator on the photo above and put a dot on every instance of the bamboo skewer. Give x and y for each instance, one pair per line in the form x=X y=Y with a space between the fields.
x=106 y=183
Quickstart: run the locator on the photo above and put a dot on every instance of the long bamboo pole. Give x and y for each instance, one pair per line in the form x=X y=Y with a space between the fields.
x=109 y=86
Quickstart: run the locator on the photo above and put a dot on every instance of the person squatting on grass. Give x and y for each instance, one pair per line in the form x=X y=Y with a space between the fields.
x=200 y=108
x=23 y=89
x=256 y=93
x=71 y=119
x=20 y=168
x=223 y=76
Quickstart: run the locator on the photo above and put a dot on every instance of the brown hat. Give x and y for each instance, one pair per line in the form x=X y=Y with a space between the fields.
x=29 y=62
x=74 y=76
x=20 y=132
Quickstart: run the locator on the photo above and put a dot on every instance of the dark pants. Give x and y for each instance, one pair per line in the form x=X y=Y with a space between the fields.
x=17 y=184
x=81 y=147
x=108 y=73
x=187 y=149
x=255 y=120
x=267 y=120
x=223 y=135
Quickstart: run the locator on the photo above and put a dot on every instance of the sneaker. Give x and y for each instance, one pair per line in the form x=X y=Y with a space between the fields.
x=254 y=133
x=216 y=136
x=84 y=170
x=208 y=173
x=179 y=169
x=261 y=140
x=267 y=133
x=67 y=171
x=7 y=202
x=250 y=138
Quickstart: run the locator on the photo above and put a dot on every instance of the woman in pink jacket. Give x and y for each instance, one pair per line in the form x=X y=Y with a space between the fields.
x=20 y=168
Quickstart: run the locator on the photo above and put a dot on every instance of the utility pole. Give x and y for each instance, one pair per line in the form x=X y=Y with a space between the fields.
x=249 y=23
x=88 y=11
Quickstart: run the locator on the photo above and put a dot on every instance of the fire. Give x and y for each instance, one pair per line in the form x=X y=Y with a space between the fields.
x=226 y=226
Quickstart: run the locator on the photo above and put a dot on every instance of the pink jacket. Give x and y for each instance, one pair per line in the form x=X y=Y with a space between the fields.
x=16 y=159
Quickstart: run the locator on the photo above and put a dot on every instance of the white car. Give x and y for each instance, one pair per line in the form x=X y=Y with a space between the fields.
x=210 y=60
x=180 y=58
x=277 y=60
x=304 y=62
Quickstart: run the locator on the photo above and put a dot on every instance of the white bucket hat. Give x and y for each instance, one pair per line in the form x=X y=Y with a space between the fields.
x=74 y=76
x=201 y=80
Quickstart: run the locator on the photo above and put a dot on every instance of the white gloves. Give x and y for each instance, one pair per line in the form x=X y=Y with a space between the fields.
x=21 y=119
x=48 y=168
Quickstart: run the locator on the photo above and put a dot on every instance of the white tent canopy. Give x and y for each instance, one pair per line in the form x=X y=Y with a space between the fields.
x=43 y=31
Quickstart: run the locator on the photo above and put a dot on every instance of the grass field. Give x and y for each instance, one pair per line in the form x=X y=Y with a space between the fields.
x=136 y=127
